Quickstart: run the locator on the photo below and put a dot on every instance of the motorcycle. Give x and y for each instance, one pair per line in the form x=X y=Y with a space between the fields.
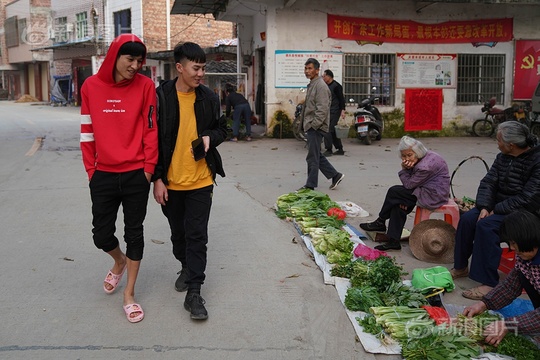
x=297 y=127
x=368 y=120
x=494 y=116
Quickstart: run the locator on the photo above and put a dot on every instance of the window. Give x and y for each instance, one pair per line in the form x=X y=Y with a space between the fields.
x=122 y=22
x=82 y=25
x=21 y=25
x=60 y=34
x=362 y=72
x=11 y=32
x=480 y=77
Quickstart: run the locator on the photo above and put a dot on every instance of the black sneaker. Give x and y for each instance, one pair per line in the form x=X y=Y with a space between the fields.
x=336 y=180
x=392 y=245
x=374 y=226
x=327 y=153
x=340 y=152
x=194 y=303
x=180 y=284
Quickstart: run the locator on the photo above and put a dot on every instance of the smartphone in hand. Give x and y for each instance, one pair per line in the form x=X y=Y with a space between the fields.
x=198 y=149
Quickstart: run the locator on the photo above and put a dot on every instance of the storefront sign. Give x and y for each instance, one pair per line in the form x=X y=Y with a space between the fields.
x=403 y=31
x=426 y=70
x=527 y=68
x=290 y=66
x=423 y=109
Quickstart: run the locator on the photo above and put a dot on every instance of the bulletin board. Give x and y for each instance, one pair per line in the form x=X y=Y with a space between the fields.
x=423 y=109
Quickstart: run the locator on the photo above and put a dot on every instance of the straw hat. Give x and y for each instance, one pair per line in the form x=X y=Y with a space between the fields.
x=433 y=241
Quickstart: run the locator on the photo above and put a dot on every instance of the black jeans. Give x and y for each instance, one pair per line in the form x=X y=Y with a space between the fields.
x=395 y=196
x=110 y=190
x=188 y=213
x=331 y=137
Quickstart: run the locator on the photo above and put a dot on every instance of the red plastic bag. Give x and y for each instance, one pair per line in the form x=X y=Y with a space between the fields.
x=438 y=314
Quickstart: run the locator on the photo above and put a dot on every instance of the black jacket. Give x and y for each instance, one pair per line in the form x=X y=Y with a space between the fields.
x=512 y=183
x=210 y=122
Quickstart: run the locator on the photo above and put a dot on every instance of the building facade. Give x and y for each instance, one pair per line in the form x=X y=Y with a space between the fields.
x=276 y=37
x=55 y=44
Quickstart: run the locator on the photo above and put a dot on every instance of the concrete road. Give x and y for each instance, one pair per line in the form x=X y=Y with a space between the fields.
x=265 y=296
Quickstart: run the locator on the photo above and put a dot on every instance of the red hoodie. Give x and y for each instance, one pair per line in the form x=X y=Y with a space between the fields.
x=118 y=120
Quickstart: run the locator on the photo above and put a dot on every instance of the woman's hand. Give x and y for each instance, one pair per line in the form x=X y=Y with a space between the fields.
x=495 y=332
x=408 y=164
x=160 y=192
x=484 y=214
x=474 y=309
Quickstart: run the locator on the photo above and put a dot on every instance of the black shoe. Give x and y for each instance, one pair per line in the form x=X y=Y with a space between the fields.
x=392 y=245
x=180 y=284
x=194 y=303
x=336 y=180
x=327 y=153
x=340 y=152
x=306 y=188
x=374 y=226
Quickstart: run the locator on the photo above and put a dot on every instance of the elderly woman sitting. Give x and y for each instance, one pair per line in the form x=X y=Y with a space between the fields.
x=425 y=179
x=512 y=183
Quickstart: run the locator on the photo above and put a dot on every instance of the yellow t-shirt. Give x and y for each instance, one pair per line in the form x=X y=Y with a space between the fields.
x=184 y=172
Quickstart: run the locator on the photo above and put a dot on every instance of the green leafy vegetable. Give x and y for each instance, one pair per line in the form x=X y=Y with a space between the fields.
x=441 y=344
x=516 y=346
x=361 y=299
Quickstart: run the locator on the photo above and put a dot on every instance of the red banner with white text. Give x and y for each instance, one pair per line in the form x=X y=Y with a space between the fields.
x=404 y=31
x=527 y=68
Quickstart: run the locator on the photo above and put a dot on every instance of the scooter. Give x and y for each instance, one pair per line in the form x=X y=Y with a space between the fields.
x=368 y=120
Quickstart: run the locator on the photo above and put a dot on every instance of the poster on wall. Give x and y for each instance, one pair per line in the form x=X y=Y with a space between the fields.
x=526 y=68
x=290 y=66
x=437 y=71
x=423 y=109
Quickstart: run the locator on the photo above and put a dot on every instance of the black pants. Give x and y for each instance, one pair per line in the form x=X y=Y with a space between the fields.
x=110 y=190
x=395 y=196
x=188 y=213
x=331 y=137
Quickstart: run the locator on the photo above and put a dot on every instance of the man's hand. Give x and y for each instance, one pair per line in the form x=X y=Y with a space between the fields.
x=160 y=192
x=148 y=176
x=495 y=332
x=206 y=142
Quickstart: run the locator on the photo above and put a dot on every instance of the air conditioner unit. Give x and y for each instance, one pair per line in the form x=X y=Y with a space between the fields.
x=52 y=34
x=69 y=27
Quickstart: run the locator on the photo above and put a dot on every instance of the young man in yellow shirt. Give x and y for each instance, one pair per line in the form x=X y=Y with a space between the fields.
x=183 y=185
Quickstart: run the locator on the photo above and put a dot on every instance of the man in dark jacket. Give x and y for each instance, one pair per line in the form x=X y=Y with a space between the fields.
x=183 y=186
x=337 y=110
x=241 y=108
x=512 y=183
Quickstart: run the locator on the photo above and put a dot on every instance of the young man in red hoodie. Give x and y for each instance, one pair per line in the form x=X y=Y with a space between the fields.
x=119 y=147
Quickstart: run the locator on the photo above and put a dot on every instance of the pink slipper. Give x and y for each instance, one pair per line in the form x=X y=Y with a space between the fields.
x=130 y=309
x=113 y=280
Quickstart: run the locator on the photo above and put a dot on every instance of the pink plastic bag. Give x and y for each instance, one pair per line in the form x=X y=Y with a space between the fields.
x=367 y=253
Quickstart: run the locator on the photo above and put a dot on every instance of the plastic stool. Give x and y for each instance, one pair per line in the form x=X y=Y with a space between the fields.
x=450 y=211
x=508 y=259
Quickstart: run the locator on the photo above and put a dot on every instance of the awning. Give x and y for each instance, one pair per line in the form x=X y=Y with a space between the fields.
x=188 y=7
x=68 y=44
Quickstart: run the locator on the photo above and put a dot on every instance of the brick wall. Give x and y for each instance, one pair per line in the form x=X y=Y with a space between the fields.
x=202 y=29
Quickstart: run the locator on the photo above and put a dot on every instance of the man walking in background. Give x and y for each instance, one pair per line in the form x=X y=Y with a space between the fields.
x=337 y=110
x=315 y=122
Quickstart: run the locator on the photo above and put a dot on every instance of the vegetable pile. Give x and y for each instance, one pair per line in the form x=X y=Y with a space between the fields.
x=322 y=219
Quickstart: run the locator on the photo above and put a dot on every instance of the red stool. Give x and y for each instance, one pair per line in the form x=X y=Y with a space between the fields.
x=450 y=211
x=508 y=259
